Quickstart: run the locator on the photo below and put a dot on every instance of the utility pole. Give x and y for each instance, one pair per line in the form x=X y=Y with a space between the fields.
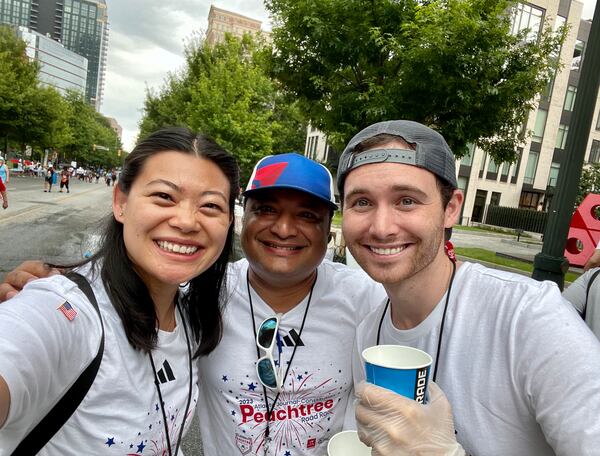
x=551 y=263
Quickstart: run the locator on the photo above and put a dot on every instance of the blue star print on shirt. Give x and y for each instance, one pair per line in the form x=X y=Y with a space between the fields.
x=141 y=447
x=251 y=386
x=224 y=378
x=110 y=441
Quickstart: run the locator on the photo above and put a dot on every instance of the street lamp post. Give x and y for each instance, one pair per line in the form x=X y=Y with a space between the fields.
x=551 y=263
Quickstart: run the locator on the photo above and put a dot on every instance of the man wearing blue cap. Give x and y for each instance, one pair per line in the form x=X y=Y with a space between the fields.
x=518 y=365
x=295 y=404
x=289 y=309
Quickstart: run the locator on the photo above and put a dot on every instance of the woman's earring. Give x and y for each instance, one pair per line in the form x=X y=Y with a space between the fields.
x=121 y=214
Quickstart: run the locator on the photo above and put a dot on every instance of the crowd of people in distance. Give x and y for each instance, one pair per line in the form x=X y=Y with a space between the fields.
x=64 y=175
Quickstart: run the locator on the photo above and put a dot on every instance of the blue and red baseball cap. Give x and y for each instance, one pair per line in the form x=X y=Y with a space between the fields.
x=292 y=171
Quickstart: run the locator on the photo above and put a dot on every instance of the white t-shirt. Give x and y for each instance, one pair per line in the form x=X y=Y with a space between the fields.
x=518 y=365
x=42 y=353
x=312 y=406
x=576 y=295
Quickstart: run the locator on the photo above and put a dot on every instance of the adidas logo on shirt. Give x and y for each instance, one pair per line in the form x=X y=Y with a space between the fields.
x=165 y=373
x=292 y=339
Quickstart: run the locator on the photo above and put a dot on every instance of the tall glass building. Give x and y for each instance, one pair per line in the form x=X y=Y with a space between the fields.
x=59 y=67
x=80 y=25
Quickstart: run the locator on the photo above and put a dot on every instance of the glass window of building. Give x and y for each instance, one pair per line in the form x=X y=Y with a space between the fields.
x=578 y=55
x=467 y=160
x=492 y=166
x=505 y=168
x=570 y=98
x=529 y=200
x=560 y=22
x=553 y=176
x=561 y=136
x=531 y=167
x=540 y=125
x=595 y=151
x=483 y=159
x=495 y=199
x=517 y=165
x=547 y=92
x=527 y=17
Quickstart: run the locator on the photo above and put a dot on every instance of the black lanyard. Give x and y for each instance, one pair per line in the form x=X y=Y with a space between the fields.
x=437 y=355
x=189 y=399
x=270 y=410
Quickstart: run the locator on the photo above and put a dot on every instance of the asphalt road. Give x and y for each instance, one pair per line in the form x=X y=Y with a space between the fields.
x=55 y=227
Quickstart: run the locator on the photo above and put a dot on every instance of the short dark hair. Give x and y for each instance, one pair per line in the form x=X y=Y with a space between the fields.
x=203 y=302
x=445 y=187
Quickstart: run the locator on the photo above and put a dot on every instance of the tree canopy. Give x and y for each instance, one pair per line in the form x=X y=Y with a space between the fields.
x=589 y=182
x=225 y=92
x=451 y=64
x=18 y=83
x=32 y=113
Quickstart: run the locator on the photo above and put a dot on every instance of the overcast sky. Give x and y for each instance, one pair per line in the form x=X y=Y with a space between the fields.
x=146 y=41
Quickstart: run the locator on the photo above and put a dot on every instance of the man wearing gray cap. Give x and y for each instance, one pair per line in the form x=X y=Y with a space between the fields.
x=518 y=365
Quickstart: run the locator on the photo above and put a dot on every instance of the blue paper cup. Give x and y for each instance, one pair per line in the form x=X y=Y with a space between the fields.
x=404 y=370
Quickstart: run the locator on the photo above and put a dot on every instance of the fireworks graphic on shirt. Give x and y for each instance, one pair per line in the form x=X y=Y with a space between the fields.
x=300 y=419
x=151 y=440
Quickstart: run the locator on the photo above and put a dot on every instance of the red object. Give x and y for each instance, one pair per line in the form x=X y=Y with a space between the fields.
x=268 y=175
x=14 y=160
x=450 y=251
x=584 y=231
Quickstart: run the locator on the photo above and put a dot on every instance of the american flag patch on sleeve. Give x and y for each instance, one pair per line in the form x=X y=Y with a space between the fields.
x=67 y=309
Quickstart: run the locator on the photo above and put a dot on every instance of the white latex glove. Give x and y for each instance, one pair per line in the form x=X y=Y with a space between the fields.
x=393 y=425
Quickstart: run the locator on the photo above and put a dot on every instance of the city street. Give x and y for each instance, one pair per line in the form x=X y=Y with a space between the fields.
x=55 y=227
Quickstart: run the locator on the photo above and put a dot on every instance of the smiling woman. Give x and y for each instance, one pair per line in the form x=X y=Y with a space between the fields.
x=171 y=223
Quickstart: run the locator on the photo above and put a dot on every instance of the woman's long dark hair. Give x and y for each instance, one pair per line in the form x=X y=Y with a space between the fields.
x=203 y=302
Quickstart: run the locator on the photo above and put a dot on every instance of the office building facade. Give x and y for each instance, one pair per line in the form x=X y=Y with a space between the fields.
x=80 y=25
x=59 y=68
x=221 y=21
x=115 y=126
x=530 y=181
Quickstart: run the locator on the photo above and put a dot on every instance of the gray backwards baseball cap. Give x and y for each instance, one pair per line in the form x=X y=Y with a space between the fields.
x=431 y=150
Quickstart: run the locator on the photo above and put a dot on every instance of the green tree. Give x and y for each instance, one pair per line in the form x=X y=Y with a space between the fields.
x=43 y=121
x=18 y=81
x=451 y=64
x=81 y=121
x=224 y=91
x=105 y=137
x=589 y=182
